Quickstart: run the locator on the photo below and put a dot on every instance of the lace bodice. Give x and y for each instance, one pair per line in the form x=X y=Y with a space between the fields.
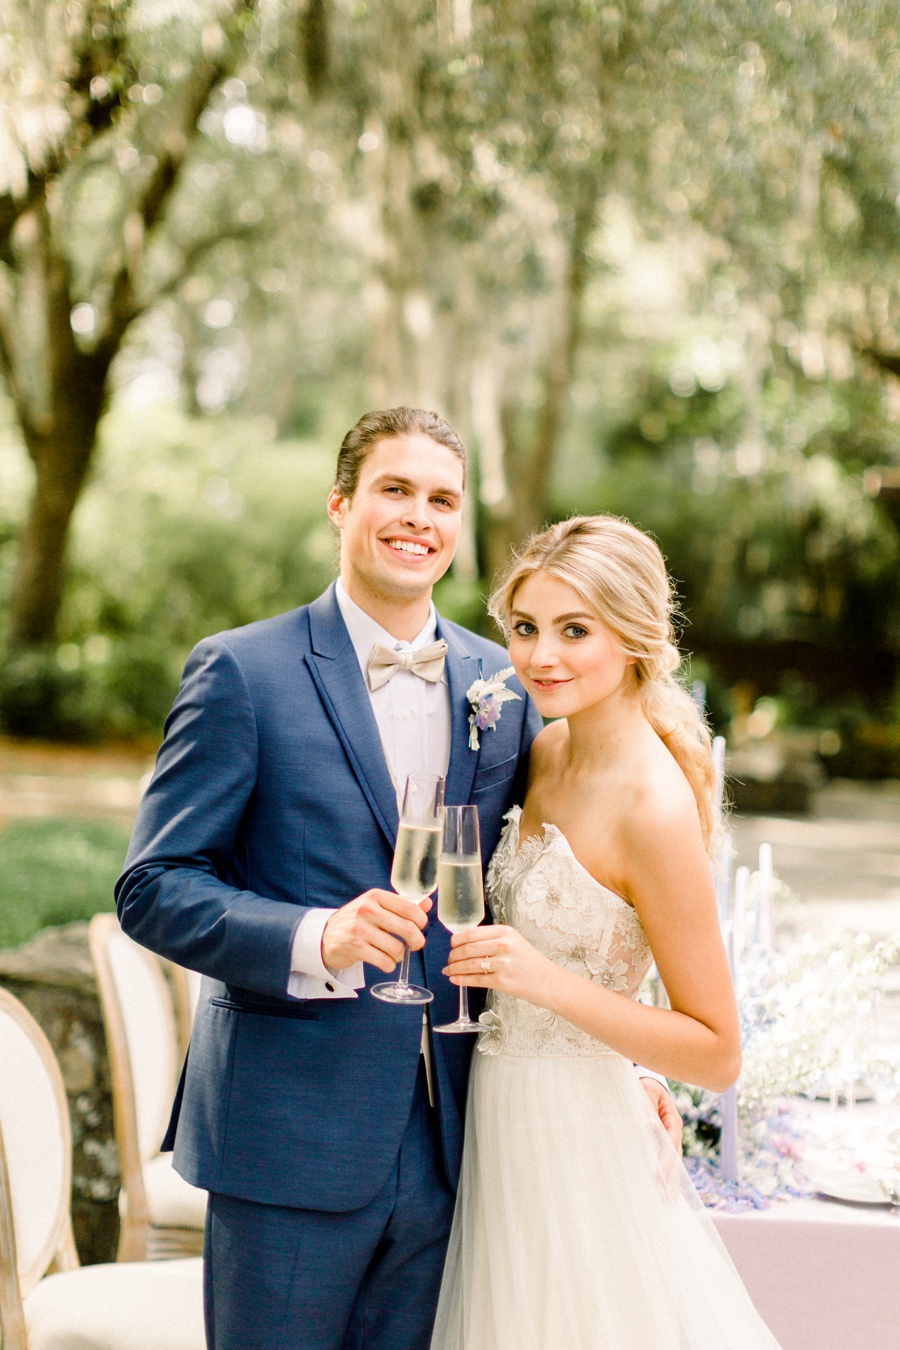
x=542 y=890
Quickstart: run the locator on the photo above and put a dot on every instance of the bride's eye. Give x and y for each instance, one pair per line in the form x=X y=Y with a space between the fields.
x=524 y=629
x=575 y=630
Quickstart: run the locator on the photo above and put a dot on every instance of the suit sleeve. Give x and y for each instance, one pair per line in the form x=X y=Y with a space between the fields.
x=171 y=896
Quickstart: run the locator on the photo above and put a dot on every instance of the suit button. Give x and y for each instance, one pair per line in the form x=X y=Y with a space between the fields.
x=329 y=986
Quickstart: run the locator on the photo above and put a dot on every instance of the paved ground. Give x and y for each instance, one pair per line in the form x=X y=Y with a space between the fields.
x=841 y=863
x=57 y=780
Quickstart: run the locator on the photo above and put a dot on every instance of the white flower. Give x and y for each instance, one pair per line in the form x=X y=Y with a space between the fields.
x=486 y=697
x=492 y=1038
x=614 y=977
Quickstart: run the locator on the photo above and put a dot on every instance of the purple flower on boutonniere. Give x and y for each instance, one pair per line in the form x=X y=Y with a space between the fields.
x=487 y=697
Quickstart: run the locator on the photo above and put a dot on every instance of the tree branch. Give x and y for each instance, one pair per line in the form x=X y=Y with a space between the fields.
x=190 y=257
x=889 y=361
x=194 y=95
x=93 y=92
x=149 y=204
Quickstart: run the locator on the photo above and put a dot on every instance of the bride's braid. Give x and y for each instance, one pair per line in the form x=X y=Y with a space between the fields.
x=620 y=572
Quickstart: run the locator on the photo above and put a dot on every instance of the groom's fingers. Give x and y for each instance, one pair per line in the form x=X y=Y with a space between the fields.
x=373 y=928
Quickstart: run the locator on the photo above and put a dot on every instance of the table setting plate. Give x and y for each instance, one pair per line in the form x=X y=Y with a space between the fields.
x=851 y=1188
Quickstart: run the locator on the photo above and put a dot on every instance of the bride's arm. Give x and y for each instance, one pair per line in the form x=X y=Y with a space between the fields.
x=697 y=1039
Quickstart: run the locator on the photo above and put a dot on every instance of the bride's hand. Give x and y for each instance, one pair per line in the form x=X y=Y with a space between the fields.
x=497 y=957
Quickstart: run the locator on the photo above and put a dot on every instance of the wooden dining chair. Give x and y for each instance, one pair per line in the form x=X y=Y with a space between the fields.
x=161 y=1215
x=48 y=1301
x=185 y=986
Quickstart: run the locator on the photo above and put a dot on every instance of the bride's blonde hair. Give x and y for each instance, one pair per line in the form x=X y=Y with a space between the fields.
x=620 y=574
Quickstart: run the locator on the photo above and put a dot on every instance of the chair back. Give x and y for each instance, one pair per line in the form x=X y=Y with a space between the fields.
x=141 y=1036
x=35 y=1150
x=185 y=986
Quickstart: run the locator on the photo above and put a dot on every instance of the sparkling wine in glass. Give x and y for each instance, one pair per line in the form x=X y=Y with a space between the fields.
x=460 y=890
x=415 y=869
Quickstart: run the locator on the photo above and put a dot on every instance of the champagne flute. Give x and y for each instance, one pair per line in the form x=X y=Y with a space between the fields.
x=414 y=872
x=460 y=890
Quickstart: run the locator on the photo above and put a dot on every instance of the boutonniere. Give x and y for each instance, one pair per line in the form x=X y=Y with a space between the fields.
x=487 y=697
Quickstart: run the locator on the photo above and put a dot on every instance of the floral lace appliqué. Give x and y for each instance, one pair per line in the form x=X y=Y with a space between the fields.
x=540 y=888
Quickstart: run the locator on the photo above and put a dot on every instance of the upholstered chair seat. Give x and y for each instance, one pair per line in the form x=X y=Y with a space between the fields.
x=171 y=1201
x=128 y=1306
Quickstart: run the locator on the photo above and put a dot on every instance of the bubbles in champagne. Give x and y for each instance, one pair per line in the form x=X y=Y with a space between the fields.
x=414 y=873
x=460 y=893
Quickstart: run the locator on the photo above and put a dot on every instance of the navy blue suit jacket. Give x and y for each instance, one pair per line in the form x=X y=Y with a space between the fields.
x=272 y=795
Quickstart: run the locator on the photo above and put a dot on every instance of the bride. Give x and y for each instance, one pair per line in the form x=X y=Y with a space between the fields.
x=576 y=1227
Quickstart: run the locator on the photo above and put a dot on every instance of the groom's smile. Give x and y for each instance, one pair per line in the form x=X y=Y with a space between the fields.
x=411 y=546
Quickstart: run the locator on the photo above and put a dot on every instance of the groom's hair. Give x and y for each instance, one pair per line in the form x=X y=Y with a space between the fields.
x=383 y=425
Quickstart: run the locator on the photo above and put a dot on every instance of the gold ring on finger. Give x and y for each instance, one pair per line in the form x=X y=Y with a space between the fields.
x=486 y=965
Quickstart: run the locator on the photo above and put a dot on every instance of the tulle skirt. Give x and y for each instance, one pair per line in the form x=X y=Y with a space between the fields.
x=576 y=1226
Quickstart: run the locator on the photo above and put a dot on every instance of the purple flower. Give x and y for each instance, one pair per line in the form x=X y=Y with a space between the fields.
x=488 y=714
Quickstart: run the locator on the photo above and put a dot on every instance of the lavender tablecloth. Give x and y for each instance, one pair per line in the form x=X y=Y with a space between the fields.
x=824 y=1276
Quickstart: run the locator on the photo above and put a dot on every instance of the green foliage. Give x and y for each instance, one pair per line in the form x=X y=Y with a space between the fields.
x=769 y=535
x=189 y=528
x=56 y=871
x=464 y=601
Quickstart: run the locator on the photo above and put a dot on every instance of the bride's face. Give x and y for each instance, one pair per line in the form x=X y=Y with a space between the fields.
x=567 y=659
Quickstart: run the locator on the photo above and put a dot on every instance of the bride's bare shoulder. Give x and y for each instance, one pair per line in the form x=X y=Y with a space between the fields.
x=662 y=803
x=547 y=745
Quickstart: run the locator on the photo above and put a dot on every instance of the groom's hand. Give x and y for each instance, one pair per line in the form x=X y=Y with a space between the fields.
x=373 y=928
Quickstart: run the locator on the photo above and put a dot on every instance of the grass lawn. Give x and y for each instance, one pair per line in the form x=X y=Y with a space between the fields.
x=54 y=871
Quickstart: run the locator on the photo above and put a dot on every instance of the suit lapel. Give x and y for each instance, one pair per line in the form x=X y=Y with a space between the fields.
x=335 y=669
x=462 y=669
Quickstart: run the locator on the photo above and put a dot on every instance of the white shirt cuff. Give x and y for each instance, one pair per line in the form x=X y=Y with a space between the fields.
x=310 y=977
x=648 y=1073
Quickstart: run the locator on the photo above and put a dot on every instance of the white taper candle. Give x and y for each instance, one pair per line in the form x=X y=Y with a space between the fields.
x=764 y=926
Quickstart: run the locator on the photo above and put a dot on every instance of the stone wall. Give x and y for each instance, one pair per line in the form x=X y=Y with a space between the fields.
x=54 y=977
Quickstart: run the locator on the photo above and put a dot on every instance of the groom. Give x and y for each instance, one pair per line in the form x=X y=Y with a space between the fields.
x=326 y=1127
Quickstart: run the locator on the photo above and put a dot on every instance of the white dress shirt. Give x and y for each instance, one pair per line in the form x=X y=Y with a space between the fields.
x=414 y=722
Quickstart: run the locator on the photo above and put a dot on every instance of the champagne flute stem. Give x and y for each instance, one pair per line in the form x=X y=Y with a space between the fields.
x=403 y=978
x=463 y=1003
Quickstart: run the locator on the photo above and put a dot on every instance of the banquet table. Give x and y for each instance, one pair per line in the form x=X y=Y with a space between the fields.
x=823 y=1275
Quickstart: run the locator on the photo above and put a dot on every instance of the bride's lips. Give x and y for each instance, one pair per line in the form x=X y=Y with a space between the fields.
x=546 y=685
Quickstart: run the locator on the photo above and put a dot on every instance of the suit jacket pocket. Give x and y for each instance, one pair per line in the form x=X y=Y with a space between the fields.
x=490 y=775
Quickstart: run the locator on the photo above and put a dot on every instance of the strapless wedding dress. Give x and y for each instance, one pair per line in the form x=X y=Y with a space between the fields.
x=576 y=1226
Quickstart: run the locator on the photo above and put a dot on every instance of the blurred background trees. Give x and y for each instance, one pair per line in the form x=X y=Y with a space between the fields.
x=642 y=254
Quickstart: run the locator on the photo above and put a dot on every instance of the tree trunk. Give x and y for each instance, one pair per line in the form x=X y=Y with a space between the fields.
x=59 y=393
x=61 y=466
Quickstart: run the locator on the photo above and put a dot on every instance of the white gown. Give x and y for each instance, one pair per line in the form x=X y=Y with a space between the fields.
x=576 y=1226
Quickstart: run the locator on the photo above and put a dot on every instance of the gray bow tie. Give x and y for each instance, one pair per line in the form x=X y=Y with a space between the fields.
x=383 y=663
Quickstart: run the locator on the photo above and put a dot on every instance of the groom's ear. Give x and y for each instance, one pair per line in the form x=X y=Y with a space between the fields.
x=337 y=506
